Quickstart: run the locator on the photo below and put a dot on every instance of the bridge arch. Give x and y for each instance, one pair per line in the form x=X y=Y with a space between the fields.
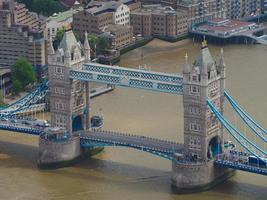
x=214 y=147
x=77 y=123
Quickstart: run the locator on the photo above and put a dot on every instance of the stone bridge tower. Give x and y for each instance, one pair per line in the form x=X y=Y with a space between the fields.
x=69 y=99
x=69 y=104
x=203 y=134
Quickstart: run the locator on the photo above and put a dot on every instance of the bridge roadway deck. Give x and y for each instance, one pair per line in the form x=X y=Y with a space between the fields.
x=239 y=160
x=107 y=138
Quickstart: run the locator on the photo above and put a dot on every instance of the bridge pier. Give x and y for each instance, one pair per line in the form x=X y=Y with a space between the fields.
x=57 y=148
x=193 y=177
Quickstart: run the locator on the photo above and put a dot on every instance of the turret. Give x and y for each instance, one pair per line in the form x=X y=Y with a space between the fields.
x=86 y=48
x=51 y=51
x=67 y=57
x=186 y=67
x=221 y=65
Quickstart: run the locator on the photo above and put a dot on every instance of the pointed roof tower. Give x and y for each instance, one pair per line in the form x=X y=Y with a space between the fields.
x=86 y=47
x=86 y=43
x=204 y=59
x=68 y=41
x=186 y=67
x=221 y=61
x=51 y=49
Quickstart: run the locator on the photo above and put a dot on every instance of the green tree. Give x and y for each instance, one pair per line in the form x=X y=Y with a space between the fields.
x=22 y=74
x=100 y=43
x=2 y=103
x=16 y=87
x=60 y=34
x=45 y=7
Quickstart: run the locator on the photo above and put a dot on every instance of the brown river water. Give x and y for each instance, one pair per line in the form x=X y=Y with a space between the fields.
x=126 y=174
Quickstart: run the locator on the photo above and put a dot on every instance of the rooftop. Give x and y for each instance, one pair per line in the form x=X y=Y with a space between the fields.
x=96 y=7
x=116 y=27
x=68 y=3
x=157 y=9
x=224 y=27
x=4 y=71
x=62 y=16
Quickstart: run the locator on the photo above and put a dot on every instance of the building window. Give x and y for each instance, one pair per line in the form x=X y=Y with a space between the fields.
x=59 y=70
x=59 y=90
x=194 y=127
x=60 y=106
x=194 y=90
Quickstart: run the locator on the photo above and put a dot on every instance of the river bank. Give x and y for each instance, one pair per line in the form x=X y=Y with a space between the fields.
x=121 y=173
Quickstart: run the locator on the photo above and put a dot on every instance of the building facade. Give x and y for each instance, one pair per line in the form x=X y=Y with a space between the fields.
x=18 y=40
x=172 y=3
x=58 y=21
x=122 y=15
x=93 y=23
x=5 y=81
x=100 y=14
x=25 y=17
x=156 y=20
x=201 y=10
x=118 y=36
x=237 y=9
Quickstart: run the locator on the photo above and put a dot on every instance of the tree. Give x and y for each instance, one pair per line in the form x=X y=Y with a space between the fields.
x=2 y=103
x=22 y=74
x=100 y=43
x=16 y=87
x=45 y=7
x=60 y=34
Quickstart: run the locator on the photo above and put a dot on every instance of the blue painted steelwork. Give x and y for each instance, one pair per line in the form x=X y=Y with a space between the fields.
x=125 y=81
x=133 y=73
x=25 y=102
x=134 y=78
x=162 y=148
x=241 y=166
x=165 y=155
x=247 y=119
x=243 y=141
x=27 y=130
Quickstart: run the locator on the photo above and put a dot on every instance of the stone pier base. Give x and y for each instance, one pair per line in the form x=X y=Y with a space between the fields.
x=195 y=177
x=58 y=153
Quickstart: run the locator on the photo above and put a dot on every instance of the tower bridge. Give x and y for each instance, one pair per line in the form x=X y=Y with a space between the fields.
x=201 y=160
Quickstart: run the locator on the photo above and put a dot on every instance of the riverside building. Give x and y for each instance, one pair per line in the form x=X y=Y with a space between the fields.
x=160 y=21
x=20 y=40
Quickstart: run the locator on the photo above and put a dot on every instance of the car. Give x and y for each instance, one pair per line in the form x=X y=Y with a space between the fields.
x=262 y=161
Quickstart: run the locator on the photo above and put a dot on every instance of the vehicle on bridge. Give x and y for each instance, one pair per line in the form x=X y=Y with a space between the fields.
x=229 y=145
x=253 y=160
x=41 y=123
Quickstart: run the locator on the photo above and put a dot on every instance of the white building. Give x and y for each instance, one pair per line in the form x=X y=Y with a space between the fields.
x=58 y=21
x=122 y=15
x=120 y=11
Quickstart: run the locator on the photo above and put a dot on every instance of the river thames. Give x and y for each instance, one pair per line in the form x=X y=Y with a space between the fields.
x=125 y=174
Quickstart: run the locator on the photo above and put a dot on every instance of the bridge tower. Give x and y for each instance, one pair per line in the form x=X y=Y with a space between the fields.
x=69 y=99
x=203 y=134
x=69 y=102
